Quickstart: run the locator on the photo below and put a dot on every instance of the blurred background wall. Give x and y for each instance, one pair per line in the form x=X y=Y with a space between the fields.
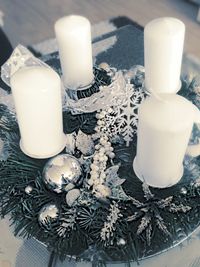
x=32 y=21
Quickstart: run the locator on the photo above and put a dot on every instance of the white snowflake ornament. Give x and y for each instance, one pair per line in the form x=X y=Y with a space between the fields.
x=122 y=119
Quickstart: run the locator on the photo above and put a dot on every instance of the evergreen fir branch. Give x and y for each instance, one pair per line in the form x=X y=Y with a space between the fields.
x=67 y=222
x=86 y=218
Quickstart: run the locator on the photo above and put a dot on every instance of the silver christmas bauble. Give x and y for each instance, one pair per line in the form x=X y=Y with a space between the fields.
x=183 y=191
x=121 y=242
x=136 y=74
x=48 y=214
x=60 y=171
x=28 y=189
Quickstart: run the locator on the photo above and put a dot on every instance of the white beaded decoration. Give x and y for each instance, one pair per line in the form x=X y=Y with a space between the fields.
x=103 y=152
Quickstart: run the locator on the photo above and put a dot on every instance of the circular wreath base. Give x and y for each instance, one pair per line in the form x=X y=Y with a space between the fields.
x=83 y=241
x=139 y=221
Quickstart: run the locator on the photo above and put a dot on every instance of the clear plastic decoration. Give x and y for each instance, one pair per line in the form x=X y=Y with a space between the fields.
x=137 y=75
x=21 y=57
x=111 y=95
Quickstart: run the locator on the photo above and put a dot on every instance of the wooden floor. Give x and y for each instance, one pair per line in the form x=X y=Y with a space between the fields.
x=32 y=21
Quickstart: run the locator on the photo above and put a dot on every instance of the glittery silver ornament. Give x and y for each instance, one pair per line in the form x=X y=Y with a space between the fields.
x=72 y=196
x=48 y=214
x=61 y=171
x=121 y=242
x=28 y=189
x=183 y=191
x=136 y=74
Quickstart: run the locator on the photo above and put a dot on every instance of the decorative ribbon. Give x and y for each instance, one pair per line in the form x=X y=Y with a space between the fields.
x=110 y=95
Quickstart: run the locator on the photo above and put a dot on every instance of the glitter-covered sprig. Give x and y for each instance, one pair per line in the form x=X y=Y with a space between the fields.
x=149 y=212
x=109 y=228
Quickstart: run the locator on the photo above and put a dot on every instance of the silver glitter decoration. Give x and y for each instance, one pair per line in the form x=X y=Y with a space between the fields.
x=143 y=224
x=72 y=196
x=183 y=191
x=28 y=189
x=161 y=225
x=123 y=118
x=107 y=232
x=48 y=214
x=60 y=171
x=121 y=242
x=137 y=75
x=150 y=212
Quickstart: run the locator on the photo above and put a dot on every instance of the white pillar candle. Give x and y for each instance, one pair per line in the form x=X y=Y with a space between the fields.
x=163 y=46
x=164 y=129
x=73 y=34
x=37 y=98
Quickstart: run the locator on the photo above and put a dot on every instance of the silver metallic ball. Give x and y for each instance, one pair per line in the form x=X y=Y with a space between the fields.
x=136 y=73
x=48 y=214
x=61 y=171
x=28 y=189
x=183 y=191
x=121 y=242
